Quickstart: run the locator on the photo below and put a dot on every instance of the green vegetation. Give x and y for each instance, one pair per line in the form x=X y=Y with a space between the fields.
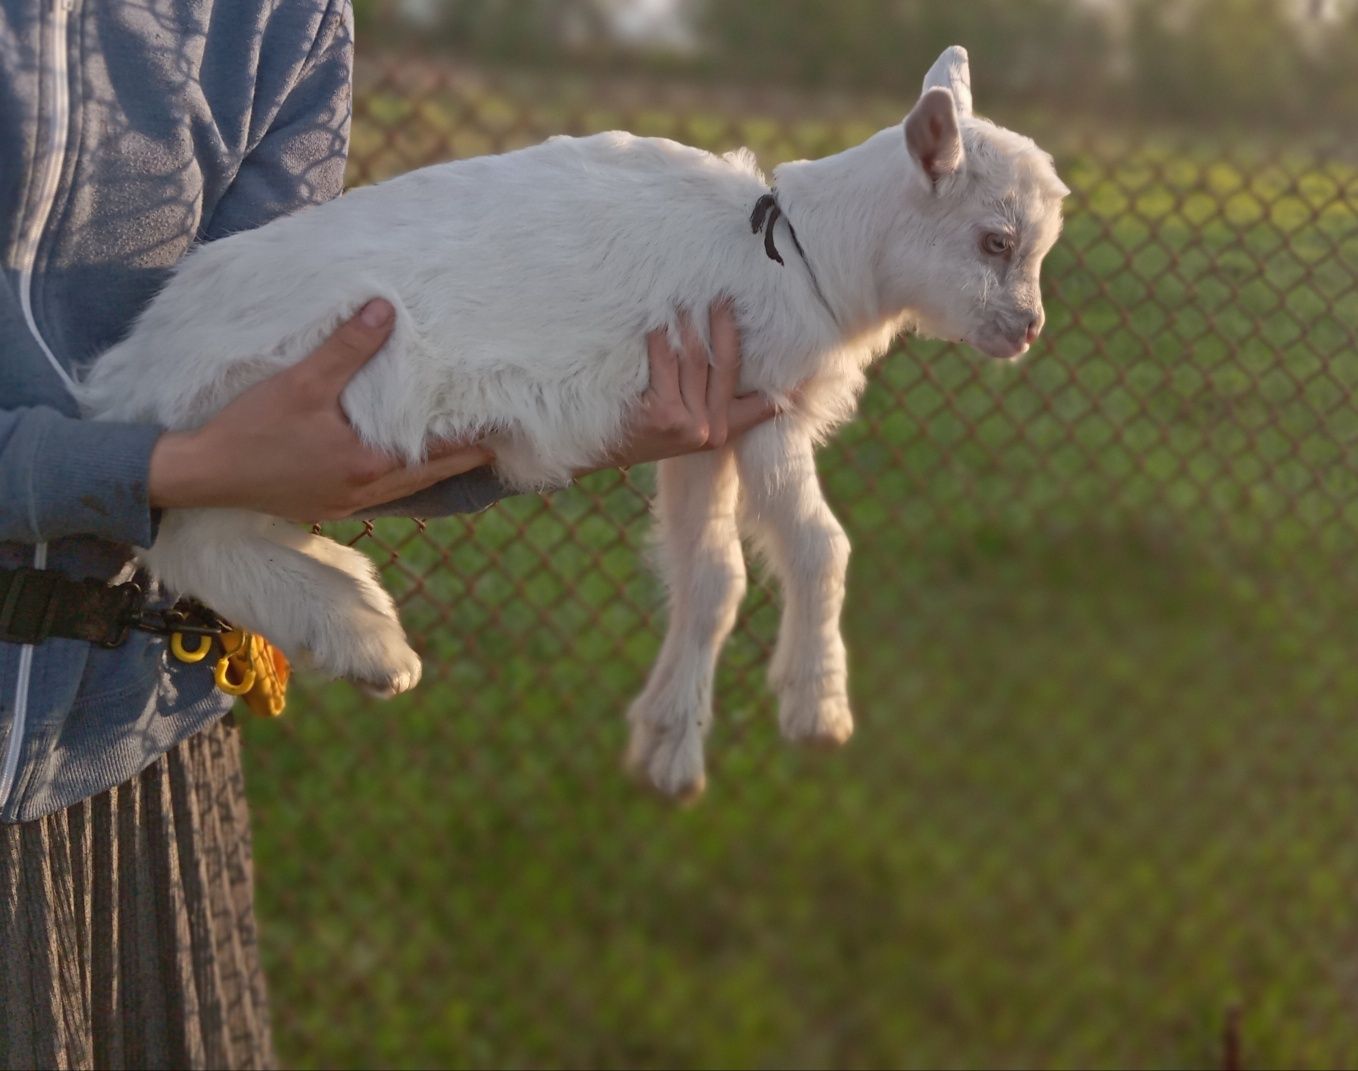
x=1283 y=62
x=1101 y=623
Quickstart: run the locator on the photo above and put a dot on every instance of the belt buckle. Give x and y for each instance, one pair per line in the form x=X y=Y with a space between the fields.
x=126 y=612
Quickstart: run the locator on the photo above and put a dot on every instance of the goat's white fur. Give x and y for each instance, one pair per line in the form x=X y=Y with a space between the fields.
x=524 y=285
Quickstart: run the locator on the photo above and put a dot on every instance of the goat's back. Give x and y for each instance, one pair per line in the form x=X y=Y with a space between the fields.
x=524 y=284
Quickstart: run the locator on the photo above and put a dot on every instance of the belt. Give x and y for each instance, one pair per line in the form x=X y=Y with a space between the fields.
x=41 y=604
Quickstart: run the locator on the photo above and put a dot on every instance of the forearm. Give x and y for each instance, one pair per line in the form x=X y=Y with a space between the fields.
x=183 y=474
x=187 y=470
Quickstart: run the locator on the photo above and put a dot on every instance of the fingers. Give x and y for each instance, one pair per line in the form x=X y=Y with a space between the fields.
x=694 y=363
x=330 y=366
x=691 y=403
x=725 y=373
x=446 y=465
x=452 y=459
x=664 y=362
x=675 y=403
x=749 y=411
x=449 y=448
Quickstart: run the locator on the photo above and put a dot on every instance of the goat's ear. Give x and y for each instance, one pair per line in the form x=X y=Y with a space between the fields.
x=952 y=71
x=932 y=137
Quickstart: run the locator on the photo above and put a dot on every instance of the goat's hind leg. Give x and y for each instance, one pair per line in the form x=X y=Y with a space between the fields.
x=316 y=600
x=700 y=557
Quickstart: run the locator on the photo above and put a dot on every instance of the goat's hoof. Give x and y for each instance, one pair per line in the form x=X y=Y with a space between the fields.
x=820 y=721
x=670 y=760
x=391 y=684
x=384 y=667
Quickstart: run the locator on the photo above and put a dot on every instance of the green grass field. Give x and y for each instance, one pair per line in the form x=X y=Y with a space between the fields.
x=1101 y=623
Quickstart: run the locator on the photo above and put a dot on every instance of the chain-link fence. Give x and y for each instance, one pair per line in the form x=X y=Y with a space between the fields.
x=1102 y=620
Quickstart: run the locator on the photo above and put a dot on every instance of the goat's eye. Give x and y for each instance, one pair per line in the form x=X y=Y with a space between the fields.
x=997 y=245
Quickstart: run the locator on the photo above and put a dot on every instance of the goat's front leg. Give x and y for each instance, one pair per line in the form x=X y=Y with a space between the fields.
x=784 y=510
x=700 y=558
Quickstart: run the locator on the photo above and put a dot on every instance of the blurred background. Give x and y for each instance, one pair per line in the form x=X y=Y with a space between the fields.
x=1100 y=809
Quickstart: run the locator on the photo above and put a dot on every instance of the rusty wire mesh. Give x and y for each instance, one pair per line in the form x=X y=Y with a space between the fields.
x=1100 y=808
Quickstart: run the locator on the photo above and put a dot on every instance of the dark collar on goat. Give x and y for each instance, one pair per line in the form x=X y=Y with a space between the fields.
x=765 y=216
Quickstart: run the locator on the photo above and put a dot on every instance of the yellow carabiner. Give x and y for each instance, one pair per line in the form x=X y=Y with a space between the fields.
x=182 y=653
x=235 y=642
x=230 y=687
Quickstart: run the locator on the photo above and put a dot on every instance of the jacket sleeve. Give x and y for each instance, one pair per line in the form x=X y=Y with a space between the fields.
x=60 y=477
x=469 y=493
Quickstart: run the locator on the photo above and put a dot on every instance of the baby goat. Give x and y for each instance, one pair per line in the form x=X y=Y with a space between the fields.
x=524 y=285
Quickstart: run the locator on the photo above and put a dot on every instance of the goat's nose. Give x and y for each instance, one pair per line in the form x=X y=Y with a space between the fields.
x=1034 y=326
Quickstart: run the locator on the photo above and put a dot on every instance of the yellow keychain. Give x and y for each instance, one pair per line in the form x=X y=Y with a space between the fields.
x=250 y=667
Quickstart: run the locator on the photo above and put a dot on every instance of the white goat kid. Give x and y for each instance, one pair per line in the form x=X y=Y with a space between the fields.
x=524 y=285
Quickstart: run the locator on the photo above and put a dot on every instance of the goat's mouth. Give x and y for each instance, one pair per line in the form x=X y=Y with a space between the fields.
x=999 y=347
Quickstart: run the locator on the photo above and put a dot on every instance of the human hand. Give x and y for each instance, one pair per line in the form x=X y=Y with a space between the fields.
x=691 y=403
x=285 y=447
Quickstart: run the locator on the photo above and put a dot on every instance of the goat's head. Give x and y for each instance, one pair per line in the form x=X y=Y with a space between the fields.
x=984 y=209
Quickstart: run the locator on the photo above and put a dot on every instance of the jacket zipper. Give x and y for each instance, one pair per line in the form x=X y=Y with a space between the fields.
x=16 y=730
x=28 y=253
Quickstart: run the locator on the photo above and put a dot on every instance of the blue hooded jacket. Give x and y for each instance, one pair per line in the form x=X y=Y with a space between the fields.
x=127 y=133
